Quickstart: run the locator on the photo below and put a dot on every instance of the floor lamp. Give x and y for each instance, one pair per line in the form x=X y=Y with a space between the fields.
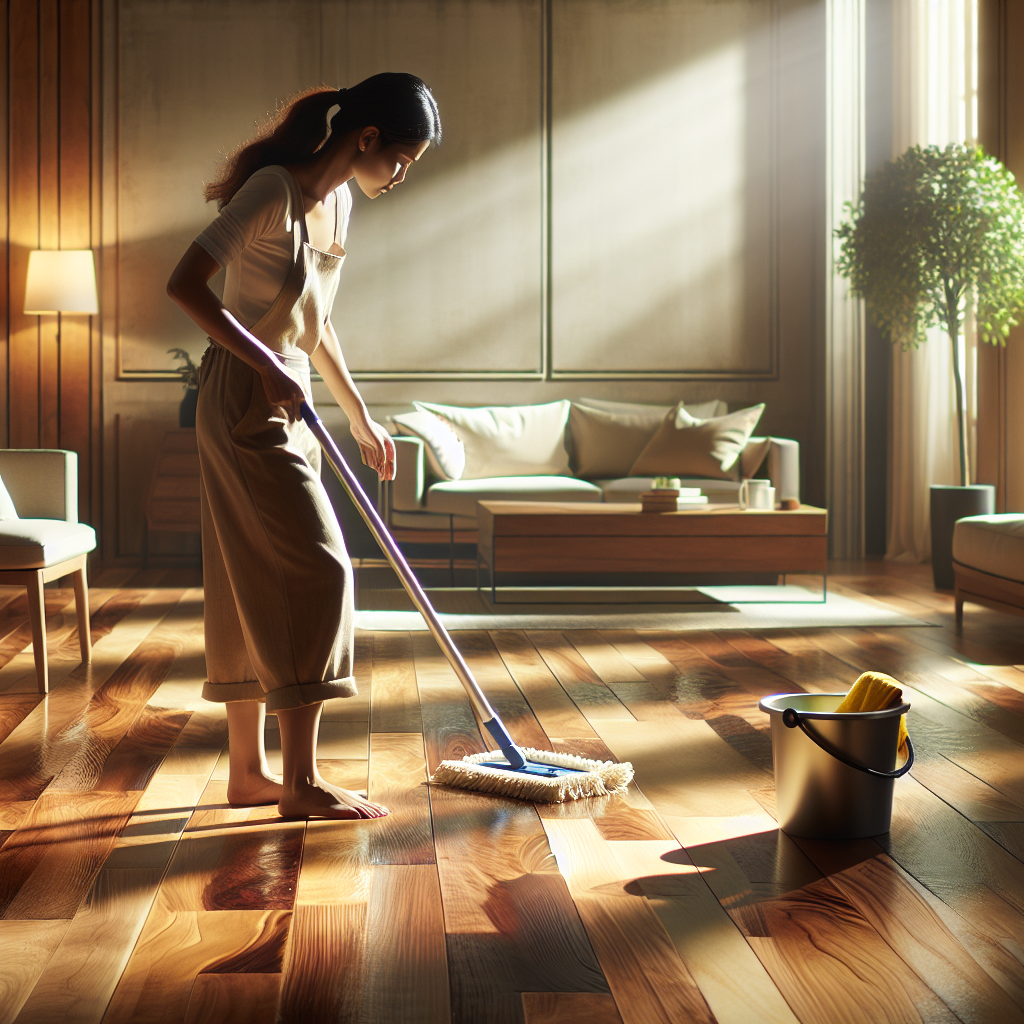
x=61 y=281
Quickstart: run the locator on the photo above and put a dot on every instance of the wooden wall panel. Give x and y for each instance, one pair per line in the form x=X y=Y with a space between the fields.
x=1000 y=459
x=4 y=232
x=76 y=227
x=23 y=206
x=48 y=361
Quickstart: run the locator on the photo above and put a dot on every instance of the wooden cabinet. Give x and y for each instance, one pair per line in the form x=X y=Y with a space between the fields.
x=173 y=501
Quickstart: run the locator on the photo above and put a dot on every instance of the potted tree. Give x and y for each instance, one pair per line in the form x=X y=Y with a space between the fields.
x=189 y=373
x=937 y=233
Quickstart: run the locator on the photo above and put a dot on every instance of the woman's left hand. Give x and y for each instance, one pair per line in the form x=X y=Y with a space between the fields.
x=375 y=446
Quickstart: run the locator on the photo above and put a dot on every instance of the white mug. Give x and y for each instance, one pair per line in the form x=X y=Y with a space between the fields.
x=757 y=494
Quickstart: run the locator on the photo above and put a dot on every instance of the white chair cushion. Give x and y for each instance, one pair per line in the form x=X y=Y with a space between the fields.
x=38 y=543
x=7 y=509
x=459 y=497
x=992 y=544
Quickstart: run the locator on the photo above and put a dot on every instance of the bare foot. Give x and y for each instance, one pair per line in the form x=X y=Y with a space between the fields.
x=254 y=790
x=319 y=799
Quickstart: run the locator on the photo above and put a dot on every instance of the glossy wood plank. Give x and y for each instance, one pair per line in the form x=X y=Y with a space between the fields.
x=505 y=697
x=115 y=707
x=684 y=768
x=27 y=946
x=577 y=678
x=174 y=948
x=557 y=1007
x=85 y=968
x=405 y=965
x=233 y=858
x=918 y=935
x=957 y=861
x=835 y=858
x=49 y=864
x=395 y=702
x=39 y=748
x=13 y=711
x=450 y=729
x=323 y=975
x=510 y=920
x=646 y=976
x=234 y=999
x=554 y=709
x=830 y=964
x=398 y=780
x=608 y=664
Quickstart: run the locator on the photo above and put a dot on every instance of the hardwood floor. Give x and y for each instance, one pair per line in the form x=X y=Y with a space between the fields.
x=131 y=891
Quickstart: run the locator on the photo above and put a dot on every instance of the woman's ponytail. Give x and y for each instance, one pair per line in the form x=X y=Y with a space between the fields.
x=400 y=106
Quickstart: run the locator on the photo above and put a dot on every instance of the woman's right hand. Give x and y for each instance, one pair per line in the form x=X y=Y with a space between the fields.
x=282 y=387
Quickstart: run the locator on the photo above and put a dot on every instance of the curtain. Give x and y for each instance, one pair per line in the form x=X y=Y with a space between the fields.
x=934 y=103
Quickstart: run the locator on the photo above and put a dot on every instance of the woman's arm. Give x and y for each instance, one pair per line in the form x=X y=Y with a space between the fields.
x=190 y=289
x=375 y=444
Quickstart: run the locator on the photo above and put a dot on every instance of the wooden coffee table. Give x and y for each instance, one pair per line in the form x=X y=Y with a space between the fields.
x=563 y=537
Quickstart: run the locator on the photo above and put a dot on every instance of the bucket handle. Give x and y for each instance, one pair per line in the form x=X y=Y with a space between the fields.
x=791 y=718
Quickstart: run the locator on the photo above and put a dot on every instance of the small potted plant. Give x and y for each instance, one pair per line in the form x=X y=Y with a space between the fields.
x=937 y=234
x=189 y=373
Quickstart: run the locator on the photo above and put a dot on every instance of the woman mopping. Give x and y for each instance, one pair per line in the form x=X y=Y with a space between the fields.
x=277 y=577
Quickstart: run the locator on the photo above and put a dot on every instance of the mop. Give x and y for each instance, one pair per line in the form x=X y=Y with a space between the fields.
x=542 y=776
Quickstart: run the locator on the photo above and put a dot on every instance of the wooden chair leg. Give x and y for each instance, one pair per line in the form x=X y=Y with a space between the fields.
x=82 y=608
x=959 y=611
x=37 y=617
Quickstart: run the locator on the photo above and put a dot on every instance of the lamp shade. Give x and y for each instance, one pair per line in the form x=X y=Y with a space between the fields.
x=61 y=281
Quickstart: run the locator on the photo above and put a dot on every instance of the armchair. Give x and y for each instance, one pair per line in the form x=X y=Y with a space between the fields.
x=41 y=538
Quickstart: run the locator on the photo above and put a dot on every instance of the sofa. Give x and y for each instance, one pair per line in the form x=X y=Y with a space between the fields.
x=420 y=499
x=988 y=563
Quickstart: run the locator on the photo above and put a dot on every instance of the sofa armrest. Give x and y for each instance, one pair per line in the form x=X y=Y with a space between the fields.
x=783 y=463
x=409 y=486
x=42 y=482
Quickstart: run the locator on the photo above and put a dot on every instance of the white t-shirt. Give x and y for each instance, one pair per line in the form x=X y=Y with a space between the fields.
x=252 y=239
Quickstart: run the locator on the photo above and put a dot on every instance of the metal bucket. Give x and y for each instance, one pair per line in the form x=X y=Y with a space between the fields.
x=833 y=772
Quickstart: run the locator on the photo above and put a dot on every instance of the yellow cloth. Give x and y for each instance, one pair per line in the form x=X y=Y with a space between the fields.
x=875 y=691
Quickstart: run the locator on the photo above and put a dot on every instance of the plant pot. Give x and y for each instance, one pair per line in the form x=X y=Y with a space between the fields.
x=187 y=409
x=948 y=504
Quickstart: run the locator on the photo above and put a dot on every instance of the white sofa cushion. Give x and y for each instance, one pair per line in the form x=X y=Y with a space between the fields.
x=459 y=497
x=992 y=544
x=37 y=543
x=513 y=440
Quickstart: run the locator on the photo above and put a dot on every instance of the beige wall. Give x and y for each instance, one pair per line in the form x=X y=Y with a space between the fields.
x=627 y=203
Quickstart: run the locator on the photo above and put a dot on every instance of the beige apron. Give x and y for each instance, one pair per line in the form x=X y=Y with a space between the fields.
x=276 y=575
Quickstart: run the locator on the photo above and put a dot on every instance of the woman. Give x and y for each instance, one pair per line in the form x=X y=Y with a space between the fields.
x=277 y=578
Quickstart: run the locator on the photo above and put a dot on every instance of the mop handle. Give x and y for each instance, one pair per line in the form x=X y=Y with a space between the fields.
x=372 y=518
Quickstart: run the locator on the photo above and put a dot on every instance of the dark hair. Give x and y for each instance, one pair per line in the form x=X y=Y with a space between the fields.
x=400 y=106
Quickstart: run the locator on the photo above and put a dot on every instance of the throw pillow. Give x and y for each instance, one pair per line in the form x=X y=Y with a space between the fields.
x=687 y=446
x=607 y=437
x=446 y=454
x=7 y=509
x=606 y=444
x=514 y=440
x=754 y=454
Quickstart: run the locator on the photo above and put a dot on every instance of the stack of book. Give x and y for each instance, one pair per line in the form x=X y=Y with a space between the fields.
x=672 y=499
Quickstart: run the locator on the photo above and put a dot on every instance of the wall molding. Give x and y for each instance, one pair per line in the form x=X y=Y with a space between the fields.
x=547 y=341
